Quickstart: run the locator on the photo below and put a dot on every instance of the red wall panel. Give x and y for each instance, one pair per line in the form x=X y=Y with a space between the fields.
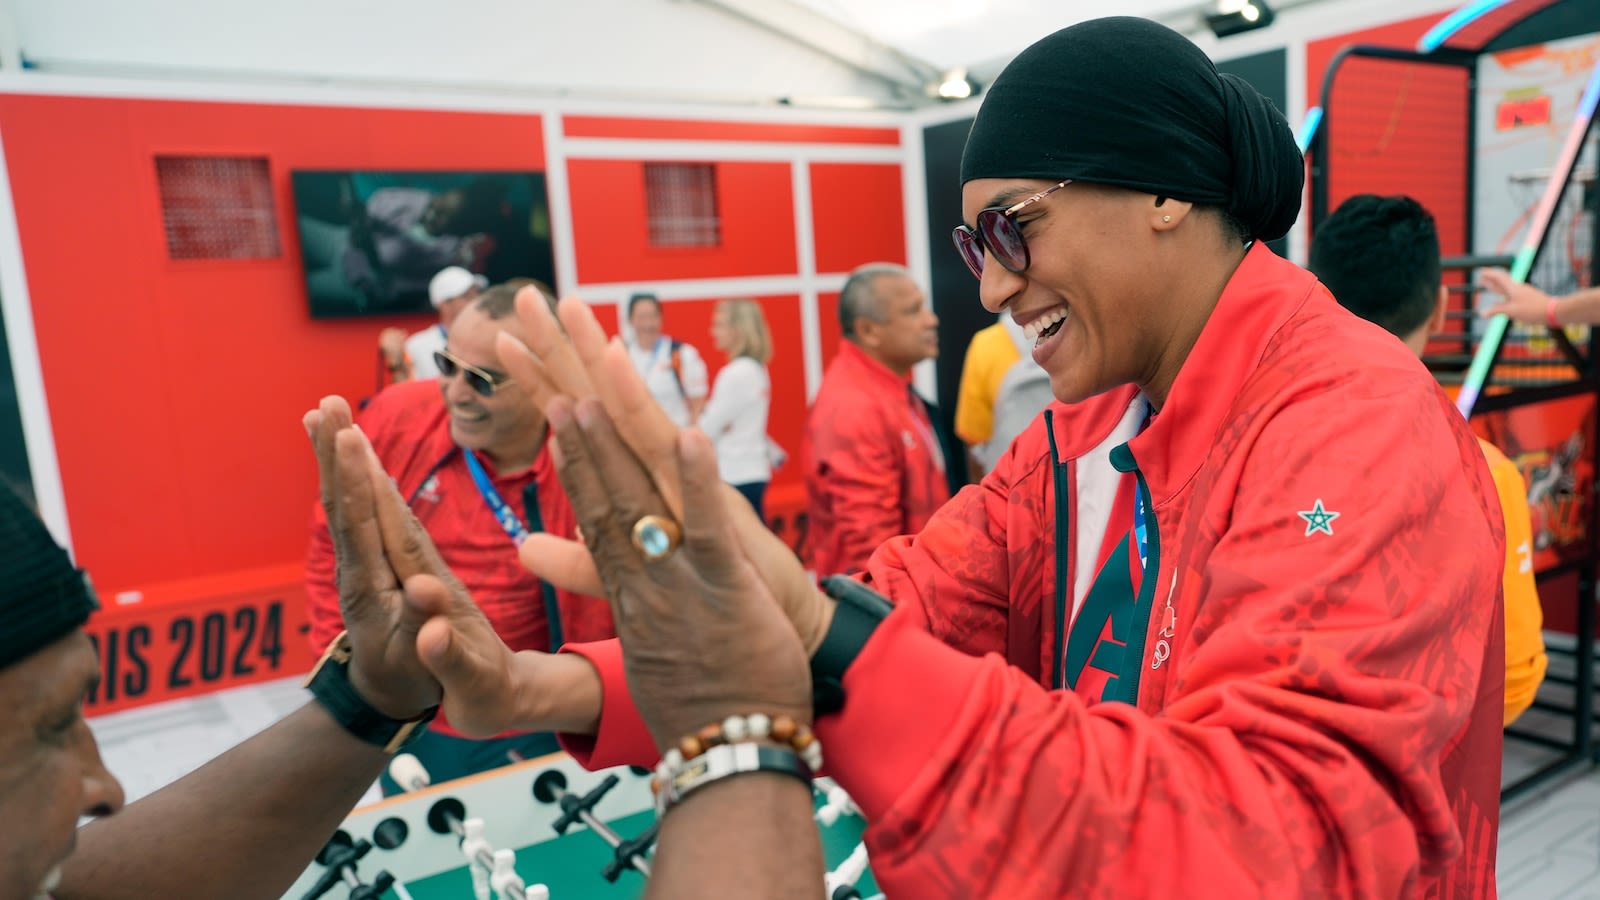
x=701 y=130
x=755 y=201
x=828 y=320
x=1396 y=128
x=176 y=388
x=858 y=214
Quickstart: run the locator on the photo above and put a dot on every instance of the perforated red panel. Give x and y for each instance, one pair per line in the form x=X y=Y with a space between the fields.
x=681 y=202
x=1401 y=128
x=217 y=207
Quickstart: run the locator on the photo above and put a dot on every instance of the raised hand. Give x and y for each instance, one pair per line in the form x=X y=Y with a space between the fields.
x=703 y=637
x=572 y=358
x=414 y=630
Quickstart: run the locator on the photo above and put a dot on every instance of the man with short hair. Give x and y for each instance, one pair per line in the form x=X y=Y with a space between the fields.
x=409 y=358
x=469 y=455
x=1379 y=256
x=874 y=464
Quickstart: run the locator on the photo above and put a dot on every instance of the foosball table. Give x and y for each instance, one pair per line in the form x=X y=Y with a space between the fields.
x=543 y=828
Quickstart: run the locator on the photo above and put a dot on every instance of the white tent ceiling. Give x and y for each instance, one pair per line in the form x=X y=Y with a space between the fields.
x=821 y=53
x=963 y=33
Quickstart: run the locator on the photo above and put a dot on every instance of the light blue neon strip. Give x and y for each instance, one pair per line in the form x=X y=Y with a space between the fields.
x=1456 y=21
x=1308 y=128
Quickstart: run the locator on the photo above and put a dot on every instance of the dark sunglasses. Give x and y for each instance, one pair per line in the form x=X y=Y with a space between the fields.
x=477 y=379
x=999 y=234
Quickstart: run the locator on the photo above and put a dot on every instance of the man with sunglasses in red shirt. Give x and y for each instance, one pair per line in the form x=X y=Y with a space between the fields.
x=468 y=454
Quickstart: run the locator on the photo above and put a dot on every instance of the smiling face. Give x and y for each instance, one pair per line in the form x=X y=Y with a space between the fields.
x=1100 y=295
x=506 y=426
x=645 y=320
x=50 y=767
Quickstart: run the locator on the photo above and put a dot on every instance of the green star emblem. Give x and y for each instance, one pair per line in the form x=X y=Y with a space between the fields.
x=1318 y=519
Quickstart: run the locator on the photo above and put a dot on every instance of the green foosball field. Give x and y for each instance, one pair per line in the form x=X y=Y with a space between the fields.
x=414 y=837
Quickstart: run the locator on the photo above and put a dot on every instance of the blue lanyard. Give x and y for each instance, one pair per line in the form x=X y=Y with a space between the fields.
x=1140 y=535
x=503 y=513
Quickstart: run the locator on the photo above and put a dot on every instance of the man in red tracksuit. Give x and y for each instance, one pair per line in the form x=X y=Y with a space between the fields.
x=430 y=436
x=874 y=465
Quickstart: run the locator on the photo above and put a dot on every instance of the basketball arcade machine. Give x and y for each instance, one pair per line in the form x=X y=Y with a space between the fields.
x=1531 y=390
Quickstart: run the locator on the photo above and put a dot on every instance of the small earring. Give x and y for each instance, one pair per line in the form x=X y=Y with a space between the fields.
x=1166 y=218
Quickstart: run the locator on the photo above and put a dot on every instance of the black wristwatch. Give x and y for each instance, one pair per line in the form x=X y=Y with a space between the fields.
x=859 y=612
x=329 y=682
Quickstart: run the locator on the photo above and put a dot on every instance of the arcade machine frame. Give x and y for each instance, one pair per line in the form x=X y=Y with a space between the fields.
x=1458 y=41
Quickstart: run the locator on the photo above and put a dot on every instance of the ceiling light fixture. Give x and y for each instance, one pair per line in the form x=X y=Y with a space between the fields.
x=1231 y=17
x=956 y=85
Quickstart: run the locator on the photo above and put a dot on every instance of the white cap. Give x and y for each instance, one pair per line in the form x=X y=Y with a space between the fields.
x=451 y=283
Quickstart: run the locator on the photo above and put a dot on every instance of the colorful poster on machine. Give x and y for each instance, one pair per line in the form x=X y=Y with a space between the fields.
x=1528 y=98
x=1552 y=444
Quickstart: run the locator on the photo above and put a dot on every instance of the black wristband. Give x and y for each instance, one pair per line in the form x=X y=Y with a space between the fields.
x=329 y=682
x=859 y=611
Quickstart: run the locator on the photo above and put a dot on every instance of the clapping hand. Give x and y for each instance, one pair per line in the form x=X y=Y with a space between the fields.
x=572 y=358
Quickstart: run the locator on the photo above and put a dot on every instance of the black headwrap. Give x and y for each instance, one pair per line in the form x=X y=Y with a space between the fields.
x=1127 y=102
x=43 y=596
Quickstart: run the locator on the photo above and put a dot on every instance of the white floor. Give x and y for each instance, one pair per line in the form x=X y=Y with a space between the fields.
x=1549 y=840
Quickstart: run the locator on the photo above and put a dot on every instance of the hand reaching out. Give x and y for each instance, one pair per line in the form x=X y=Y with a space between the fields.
x=702 y=635
x=577 y=362
x=1520 y=302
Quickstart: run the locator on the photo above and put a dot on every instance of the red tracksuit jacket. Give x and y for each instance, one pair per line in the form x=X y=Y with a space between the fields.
x=872 y=462
x=410 y=430
x=1314 y=668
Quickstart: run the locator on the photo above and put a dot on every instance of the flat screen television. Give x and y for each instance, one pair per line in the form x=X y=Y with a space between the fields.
x=371 y=240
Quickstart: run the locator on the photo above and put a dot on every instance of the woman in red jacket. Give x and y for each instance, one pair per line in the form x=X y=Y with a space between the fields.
x=1227 y=625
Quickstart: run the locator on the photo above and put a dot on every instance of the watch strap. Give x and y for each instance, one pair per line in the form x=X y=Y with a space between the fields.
x=857 y=616
x=329 y=682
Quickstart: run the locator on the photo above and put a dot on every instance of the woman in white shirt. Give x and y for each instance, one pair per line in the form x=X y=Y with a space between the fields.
x=673 y=370
x=735 y=415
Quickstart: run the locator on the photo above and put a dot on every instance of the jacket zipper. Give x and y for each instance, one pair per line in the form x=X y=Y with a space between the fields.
x=1058 y=473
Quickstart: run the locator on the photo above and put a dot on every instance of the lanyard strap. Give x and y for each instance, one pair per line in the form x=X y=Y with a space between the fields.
x=503 y=513
x=1140 y=535
x=514 y=528
x=662 y=343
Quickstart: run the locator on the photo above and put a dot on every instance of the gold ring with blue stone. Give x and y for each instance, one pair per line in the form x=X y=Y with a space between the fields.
x=656 y=537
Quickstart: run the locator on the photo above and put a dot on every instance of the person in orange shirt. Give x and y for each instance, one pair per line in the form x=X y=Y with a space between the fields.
x=1379 y=256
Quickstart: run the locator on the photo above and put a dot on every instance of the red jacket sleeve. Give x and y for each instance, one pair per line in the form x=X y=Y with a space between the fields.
x=1320 y=682
x=958 y=569
x=622 y=739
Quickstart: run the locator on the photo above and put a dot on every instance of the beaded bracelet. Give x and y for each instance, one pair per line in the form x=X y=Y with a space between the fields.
x=737 y=730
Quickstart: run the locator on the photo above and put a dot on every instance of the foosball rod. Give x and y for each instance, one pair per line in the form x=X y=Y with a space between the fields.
x=408 y=772
x=598 y=827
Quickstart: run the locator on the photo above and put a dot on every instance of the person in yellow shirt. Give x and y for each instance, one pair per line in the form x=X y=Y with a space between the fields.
x=990 y=355
x=1379 y=256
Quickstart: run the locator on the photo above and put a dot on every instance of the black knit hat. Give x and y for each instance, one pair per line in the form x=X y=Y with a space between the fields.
x=43 y=596
x=1128 y=102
